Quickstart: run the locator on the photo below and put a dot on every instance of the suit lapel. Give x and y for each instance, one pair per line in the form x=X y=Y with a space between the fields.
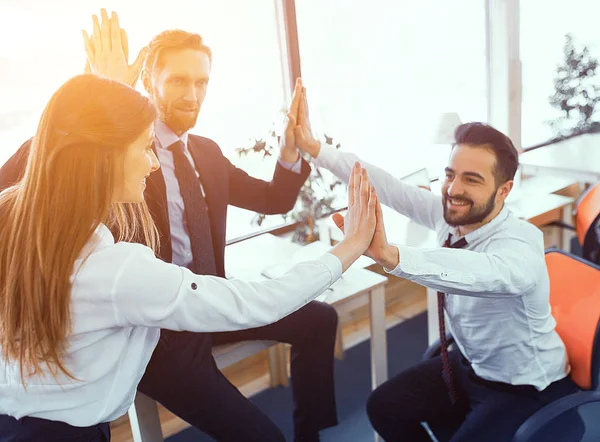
x=156 y=199
x=157 y=189
x=204 y=169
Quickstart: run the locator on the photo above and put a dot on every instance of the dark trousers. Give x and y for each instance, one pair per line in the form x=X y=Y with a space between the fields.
x=31 y=429
x=485 y=411
x=183 y=377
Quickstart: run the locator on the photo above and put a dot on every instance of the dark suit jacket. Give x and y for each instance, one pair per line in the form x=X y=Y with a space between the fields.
x=223 y=184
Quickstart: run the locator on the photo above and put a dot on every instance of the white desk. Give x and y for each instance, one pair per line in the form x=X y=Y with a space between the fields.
x=577 y=158
x=248 y=259
x=541 y=209
x=559 y=184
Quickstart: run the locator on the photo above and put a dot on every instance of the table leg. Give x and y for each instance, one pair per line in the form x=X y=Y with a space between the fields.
x=433 y=330
x=144 y=420
x=379 y=366
x=277 y=365
x=379 y=371
x=566 y=235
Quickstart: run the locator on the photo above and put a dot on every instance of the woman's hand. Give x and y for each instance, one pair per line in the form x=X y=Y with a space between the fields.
x=359 y=223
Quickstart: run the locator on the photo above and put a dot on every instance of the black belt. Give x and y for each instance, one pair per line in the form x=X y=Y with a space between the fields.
x=495 y=385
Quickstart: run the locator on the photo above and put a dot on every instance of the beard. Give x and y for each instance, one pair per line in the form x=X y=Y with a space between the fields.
x=179 y=117
x=474 y=215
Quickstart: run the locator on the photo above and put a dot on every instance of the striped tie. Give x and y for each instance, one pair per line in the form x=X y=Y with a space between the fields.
x=196 y=213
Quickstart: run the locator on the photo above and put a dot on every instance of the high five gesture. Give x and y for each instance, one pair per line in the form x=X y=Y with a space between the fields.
x=107 y=50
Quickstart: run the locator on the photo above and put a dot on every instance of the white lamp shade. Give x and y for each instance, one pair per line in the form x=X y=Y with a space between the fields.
x=444 y=129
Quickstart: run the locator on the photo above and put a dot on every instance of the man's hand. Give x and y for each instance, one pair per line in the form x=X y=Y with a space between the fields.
x=305 y=141
x=360 y=221
x=287 y=144
x=108 y=51
x=379 y=250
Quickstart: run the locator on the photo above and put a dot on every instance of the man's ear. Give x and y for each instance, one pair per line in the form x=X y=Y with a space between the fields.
x=505 y=189
x=147 y=82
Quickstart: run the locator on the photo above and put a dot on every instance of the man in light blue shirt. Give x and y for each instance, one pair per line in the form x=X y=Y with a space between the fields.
x=492 y=283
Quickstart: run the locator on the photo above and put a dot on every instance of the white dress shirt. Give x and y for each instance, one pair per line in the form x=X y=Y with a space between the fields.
x=121 y=297
x=497 y=287
x=180 y=238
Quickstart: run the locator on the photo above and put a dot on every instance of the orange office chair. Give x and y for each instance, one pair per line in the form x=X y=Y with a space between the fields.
x=587 y=223
x=575 y=301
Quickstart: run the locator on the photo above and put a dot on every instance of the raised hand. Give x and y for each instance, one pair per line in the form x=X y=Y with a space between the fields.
x=305 y=140
x=287 y=145
x=379 y=245
x=124 y=43
x=379 y=250
x=360 y=221
x=108 y=51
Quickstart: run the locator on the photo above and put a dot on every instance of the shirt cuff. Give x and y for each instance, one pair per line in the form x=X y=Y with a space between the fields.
x=409 y=264
x=293 y=167
x=425 y=266
x=327 y=155
x=333 y=264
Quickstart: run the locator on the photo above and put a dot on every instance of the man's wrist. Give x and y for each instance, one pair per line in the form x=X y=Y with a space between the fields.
x=289 y=155
x=390 y=257
x=316 y=149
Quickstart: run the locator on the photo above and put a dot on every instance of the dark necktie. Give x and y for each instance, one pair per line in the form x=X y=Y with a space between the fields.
x=196 y=212
x=446 y=368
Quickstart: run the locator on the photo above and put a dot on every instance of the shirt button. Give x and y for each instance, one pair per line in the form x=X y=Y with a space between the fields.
x=194 y=286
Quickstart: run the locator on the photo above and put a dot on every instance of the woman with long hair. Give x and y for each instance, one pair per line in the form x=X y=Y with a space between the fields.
x=81 y=312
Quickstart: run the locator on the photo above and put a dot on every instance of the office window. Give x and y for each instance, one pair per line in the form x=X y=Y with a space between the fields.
x=379 y=73
x=543 y=28
x=43 y=48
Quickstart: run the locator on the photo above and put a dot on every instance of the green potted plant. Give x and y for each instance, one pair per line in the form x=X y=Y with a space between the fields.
x=576 y=91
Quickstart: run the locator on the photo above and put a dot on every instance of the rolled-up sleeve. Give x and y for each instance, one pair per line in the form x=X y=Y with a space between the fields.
x=149 y=292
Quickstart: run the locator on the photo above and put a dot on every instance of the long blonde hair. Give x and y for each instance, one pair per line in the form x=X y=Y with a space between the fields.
x=49 y=216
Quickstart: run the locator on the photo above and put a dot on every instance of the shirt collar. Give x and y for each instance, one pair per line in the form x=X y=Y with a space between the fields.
x=104 y=235
x=101 y=238
x=485 y=229
x=166 y=136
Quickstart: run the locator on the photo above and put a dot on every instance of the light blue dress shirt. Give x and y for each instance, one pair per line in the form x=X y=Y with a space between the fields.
x=497 y=287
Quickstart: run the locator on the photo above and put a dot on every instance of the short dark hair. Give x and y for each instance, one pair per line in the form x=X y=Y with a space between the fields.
x=485 y=136
x=173 y=40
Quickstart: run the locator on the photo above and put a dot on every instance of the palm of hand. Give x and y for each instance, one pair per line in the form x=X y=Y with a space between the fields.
x=113 y=66
x=379 y=243
x=107 y=51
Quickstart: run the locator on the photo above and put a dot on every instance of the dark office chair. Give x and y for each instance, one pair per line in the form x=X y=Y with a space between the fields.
x=587 y=223
x=575 y=300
